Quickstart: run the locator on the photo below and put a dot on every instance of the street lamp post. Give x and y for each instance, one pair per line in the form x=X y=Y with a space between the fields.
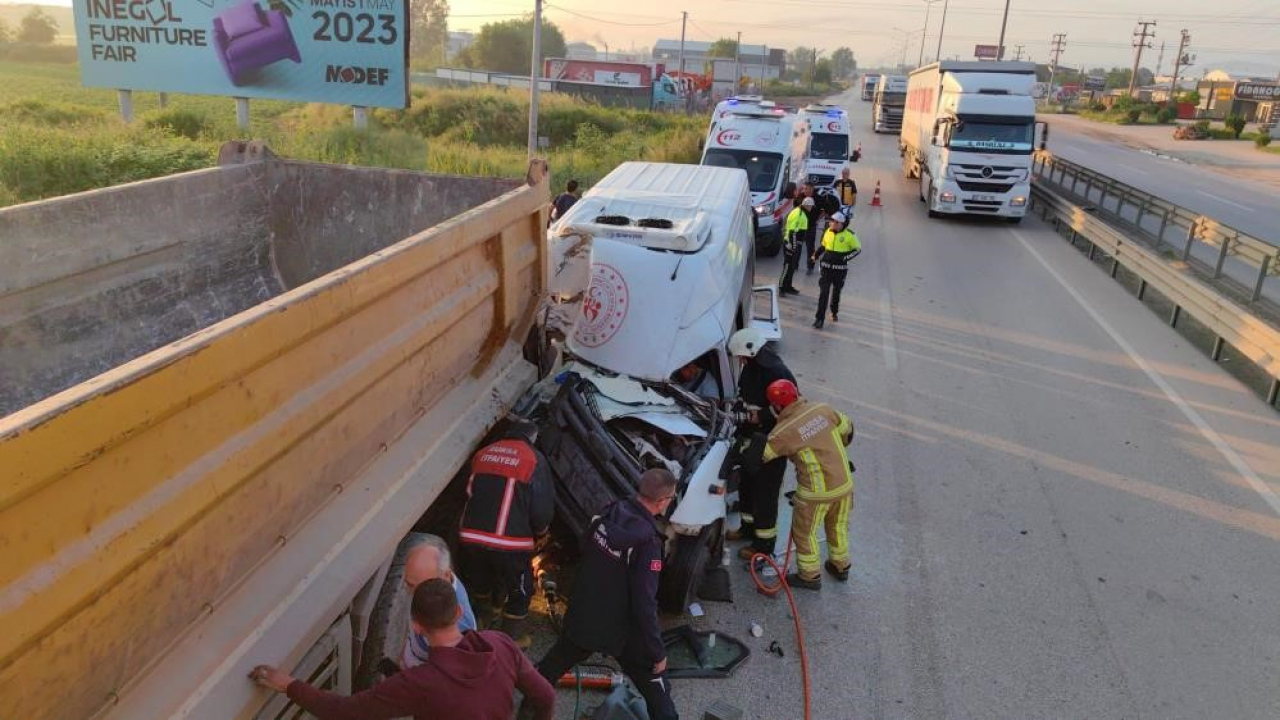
x=1003 y=24
x=942 y=28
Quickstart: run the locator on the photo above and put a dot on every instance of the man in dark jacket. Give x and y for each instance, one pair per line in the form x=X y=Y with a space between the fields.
x=614 y=609
x=564 y=201
x=510 y=501
x=468 y=674
x=758 y=490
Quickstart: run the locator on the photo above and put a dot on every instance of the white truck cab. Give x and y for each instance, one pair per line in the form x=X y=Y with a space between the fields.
x=671 y=271
x=772 y=147
x=969 y=134
x=829 y=144
x=888 y=105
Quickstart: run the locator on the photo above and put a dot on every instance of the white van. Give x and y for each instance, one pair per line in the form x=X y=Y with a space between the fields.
x=773 y=148
x=671 y=281
x=829 y=151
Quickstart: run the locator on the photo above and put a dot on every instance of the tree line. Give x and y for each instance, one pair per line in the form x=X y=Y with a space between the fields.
x=36 y=28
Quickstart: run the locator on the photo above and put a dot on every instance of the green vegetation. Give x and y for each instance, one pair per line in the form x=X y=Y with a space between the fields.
x=1128 y=111
x=59 y=137
x=1262 y=140
x=1235 y=123
x=507 y=46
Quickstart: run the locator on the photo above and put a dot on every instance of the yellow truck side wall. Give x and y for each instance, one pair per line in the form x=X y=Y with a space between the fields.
x=133 y=503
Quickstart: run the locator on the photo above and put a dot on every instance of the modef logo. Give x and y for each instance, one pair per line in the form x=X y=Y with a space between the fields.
x=356 y=75
x=728 y=137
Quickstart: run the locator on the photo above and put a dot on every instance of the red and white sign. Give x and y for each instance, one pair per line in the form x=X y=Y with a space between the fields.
x=604 y=308
x=728 y=138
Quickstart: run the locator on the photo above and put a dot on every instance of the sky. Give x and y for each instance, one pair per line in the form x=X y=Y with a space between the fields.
x=1236 y=34
x=1099 y=32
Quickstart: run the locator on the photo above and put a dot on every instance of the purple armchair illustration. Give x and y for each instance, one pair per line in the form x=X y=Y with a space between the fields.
x=247 y=38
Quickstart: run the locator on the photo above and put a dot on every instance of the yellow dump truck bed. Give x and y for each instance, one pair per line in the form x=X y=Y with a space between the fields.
x=226 y=395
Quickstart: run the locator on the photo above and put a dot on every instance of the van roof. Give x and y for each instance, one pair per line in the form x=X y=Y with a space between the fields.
x=661 y=206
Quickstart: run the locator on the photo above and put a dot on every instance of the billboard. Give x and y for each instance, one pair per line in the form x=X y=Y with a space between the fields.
x=986 y=52
x=1095 y=82
x=347 y=52
x=1264 y=92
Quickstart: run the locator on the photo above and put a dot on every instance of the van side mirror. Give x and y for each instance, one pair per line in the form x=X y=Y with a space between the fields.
x=789 y=192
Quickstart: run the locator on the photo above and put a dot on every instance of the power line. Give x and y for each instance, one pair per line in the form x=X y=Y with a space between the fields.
x=609 y=22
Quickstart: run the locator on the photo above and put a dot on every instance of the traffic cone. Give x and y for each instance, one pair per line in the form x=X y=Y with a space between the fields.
x=875 y=199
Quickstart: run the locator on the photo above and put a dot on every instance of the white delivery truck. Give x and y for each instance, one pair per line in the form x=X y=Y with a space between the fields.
x=968 y=135
x=886 y=111
x=829 y=151
x=671 y=273
x=773 y=148
x=869 y=83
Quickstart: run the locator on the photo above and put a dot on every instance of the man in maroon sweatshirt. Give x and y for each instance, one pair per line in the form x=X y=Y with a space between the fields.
x=468 y=676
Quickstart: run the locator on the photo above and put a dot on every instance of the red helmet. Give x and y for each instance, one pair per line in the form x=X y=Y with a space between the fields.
x=781 y=393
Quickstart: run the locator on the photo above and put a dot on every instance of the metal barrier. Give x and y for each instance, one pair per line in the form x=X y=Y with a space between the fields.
x=1166 y=222
x=1228 y=321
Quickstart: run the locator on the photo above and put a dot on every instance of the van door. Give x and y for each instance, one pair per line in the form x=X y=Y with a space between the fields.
x=765 y=315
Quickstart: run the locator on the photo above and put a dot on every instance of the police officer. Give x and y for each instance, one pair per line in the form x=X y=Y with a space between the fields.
x=814 y=213
x=614 y=608
x=839 y=246
x=759 y=487
x=793 y=237
x=510 y=501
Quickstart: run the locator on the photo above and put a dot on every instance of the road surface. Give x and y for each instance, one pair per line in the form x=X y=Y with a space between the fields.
x=1063 y=510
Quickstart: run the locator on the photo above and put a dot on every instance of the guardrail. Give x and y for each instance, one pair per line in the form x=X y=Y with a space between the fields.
x=1166 y=222
x=1229 y=322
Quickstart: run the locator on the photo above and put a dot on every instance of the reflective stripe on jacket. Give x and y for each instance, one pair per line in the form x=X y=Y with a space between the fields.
x=814 y=435
x=797 y=221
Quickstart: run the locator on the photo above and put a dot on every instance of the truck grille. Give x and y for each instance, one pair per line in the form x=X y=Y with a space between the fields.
x=983 y=187
x=983 y=206
x=975 y=172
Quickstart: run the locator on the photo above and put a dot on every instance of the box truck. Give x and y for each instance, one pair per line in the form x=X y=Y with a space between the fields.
x=886 y=110
x=665 y=91
x=968 y=136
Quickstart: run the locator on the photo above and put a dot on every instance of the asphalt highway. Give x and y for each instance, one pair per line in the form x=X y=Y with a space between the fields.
x=1063 y=509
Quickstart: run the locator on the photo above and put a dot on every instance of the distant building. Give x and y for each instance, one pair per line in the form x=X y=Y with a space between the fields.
x=1222 y=94
x=581 y=51
x=460 y=40
x=752 y=59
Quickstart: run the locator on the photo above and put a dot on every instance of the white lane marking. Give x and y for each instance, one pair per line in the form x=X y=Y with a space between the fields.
x=1133 y=169
x=1224 y=200
x=1268 y=495
x=887 y=332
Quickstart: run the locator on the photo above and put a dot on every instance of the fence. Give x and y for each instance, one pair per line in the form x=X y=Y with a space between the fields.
x=1223 y=251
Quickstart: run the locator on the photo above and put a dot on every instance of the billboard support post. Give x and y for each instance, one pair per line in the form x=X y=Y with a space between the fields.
x=126 y=105
x=242 y=113
x=164 y=100
x=360 y=117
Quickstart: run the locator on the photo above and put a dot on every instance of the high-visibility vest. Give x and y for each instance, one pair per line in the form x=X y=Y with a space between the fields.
x=844 y=241
x=797 y=221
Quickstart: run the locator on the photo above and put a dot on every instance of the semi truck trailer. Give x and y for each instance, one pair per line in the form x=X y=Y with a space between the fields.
x=225 y=398
x=968 y=136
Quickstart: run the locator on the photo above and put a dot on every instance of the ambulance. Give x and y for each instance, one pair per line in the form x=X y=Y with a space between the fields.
x=829 y=151
x=736 y=103
x=772 y=147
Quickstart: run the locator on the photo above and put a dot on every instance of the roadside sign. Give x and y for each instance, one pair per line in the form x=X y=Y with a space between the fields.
x=1263 y=92
x=1095 y=82
x=986 y=52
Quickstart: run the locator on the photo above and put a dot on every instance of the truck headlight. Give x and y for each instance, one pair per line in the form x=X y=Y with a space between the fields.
x=1019 y=201
x=947 y=197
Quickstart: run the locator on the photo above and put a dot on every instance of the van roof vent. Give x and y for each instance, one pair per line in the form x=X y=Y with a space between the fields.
x=992 y=91
x=657 y=223
x=613 y=220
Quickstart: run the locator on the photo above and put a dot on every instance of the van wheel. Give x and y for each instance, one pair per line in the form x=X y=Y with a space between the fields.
x=774 y=244
x=684 y=568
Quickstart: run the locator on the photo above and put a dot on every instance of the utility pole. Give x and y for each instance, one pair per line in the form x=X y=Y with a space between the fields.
x=1139 y=42
x=1178 y=63
x=737 y=63
x=534 y=77
x=937 y=56
x=1018 y=56
x=683 y=83
x=1059 y=44
x=1160 y=59
x=764 y=62
x=928 y=5
x=1003 y=24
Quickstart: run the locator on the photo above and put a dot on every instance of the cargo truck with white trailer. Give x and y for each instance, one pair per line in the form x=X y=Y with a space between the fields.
x=968 y=135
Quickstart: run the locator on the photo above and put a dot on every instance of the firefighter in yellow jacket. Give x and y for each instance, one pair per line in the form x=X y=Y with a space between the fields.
x=814 y=435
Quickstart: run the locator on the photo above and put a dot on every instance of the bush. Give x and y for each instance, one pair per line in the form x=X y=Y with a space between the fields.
x=1202 y=125
x=1132 y=116
x=1236 y=124
x=1262 y=140
x=183 y=123
x=1097 y=107
x=1222 y=134
x=39 y=112
x=348 y=146
x=1166 y=116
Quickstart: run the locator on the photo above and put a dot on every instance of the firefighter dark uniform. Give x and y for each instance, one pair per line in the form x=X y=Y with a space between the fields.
x=815 y=436
x=760 y=486
x=792 y=245
x=838 y=248
x=614 y=608
x=510 y=501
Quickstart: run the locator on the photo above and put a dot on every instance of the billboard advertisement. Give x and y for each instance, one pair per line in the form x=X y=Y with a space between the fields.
x=607 y=77
x=346 y=52
x=1265 y=92
x=986 y=52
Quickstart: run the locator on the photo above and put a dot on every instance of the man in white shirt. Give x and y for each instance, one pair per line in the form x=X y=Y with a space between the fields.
x=427 y=559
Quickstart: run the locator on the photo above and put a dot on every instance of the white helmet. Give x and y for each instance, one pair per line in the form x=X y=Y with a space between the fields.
x=746 y=342
x=840 y=218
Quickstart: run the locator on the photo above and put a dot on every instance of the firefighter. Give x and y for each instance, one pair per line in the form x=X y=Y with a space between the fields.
x=792 y=244
x=815 y=436
x=759 y=486
x=614 y=608
x=846 y=192
x=510 y=501
x=839 y=246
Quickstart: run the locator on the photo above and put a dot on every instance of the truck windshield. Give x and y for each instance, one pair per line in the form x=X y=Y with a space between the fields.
x=829 y=146
x=988 y=134
x=762 y=168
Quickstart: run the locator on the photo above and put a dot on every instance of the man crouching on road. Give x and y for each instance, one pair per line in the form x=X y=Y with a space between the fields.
x=467 y=675
x=614 y=609
x=814 y=435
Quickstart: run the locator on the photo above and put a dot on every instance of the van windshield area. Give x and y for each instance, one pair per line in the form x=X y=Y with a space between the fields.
x=762 y=168
x=993 y=134
x=829 y=146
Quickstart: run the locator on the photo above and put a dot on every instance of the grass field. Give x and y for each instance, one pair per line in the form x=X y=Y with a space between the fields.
x=58 y=137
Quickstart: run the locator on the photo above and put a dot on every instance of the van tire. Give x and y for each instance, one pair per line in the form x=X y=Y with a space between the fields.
x=773 y=244
x=684 y=569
